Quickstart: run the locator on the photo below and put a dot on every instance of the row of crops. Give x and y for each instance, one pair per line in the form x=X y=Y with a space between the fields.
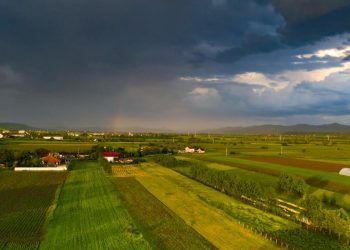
x=25 y=200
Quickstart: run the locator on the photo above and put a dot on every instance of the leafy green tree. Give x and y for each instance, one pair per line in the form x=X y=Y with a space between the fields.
x=41 y=152
x=7 y=157
x=29 y=159
x=292 y=184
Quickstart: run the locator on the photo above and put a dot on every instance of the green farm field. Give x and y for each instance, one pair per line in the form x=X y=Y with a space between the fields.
x=340 y=199
x=26 y=199
x=331 y=181
x=89 y=214
x=29 y=145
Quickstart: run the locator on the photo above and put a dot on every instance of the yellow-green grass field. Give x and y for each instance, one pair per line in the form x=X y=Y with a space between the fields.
x=89 y=214
x=186 y=198
x=161 y=227
x=183 y=196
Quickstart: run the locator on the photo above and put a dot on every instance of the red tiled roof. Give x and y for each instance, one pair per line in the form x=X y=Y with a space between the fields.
x=50 y=159
x=110 y=154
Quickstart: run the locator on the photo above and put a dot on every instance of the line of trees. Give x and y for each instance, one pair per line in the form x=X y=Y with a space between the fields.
x=223 y=181
x=10 y=158
x=228 y=182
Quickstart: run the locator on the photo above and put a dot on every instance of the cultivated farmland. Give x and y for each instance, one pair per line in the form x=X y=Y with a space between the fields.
x=321 y=179
x=300 y=163
x=162 y=227
x=25 y=200
x=183 y=196
x=99 y=210
x=89 y=214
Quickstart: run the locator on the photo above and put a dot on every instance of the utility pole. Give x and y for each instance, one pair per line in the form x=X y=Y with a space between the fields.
x=226 y=150
x=281 y=149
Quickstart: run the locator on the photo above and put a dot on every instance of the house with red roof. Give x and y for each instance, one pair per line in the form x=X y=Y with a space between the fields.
x=51 y=161
x=111 y=156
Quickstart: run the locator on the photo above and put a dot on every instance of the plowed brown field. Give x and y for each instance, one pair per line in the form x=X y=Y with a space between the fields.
x=300 y=163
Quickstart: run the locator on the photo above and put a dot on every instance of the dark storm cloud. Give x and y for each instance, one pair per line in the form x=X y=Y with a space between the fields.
x=252 y=44
x=307 y=21
x=76 y=33
x=84 y=62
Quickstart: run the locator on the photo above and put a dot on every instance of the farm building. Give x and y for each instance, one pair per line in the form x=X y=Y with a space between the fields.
x=110 y=156
x=47 y=137
x=345 y=171
x=192 y=151
x=189 y=150
x=51 y=161
x=1 y=136
x=200 y=151
x=58 y=138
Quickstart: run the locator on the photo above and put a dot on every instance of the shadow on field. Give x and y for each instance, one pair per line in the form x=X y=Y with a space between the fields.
x=317 y=181
x=328 y=185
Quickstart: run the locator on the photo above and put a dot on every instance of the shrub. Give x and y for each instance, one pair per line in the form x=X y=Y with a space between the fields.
x=292 y=184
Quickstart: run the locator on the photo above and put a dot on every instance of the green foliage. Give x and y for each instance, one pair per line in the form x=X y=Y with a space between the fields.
x=29 y=159
x=335 y=222
x=166 y=160
x=292 y=184
x=227 y=182
x=312 y=205
x=41 y=152
x=7 y=157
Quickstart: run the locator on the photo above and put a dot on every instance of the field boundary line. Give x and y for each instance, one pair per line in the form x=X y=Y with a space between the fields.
x=50 y=214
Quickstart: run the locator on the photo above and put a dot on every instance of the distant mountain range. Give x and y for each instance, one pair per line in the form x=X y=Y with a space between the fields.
x=20 y=126
x=249 y=130
x=16 y=126
x=280 y=129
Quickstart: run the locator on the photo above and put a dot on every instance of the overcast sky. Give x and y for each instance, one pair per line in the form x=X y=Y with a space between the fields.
x=175 y=64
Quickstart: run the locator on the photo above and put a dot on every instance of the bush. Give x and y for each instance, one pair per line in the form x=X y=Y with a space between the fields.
x=292 y=184
x=7 y=157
